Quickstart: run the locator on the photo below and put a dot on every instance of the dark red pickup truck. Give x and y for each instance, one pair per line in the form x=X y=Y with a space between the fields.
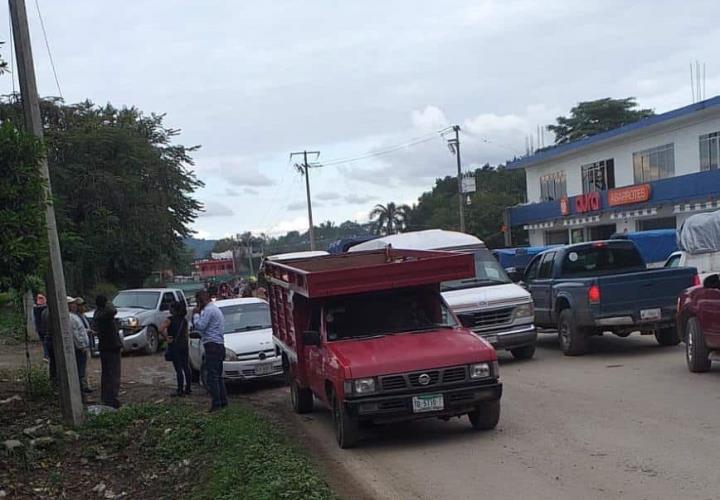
x=369 y=335
x=699 y=323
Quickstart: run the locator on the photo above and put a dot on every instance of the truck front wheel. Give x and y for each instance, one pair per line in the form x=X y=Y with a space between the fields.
x=667 y=336
x=302 y=398
x=696 y=352
x=524 y=352
x=573 y=339
x=152 y=340
x=486 y=416
x=347 y=429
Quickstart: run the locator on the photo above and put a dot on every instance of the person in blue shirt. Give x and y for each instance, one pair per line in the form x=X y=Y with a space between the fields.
x=210 y=323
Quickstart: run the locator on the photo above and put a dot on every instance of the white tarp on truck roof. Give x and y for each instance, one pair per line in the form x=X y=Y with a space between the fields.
x=700 y=233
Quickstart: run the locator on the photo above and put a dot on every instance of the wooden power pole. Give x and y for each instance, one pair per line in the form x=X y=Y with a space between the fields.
x=70 y=398
x=305 y=169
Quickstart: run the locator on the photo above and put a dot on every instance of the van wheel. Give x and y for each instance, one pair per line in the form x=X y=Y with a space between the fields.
x=667 y=336
x=485 y=416
x=302 y=398
x=573 y=340
x=152 y=344
x=524 y=352
x=696 y=352
x=347 y=429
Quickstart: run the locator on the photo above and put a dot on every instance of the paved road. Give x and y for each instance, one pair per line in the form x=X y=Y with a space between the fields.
x=628 y=421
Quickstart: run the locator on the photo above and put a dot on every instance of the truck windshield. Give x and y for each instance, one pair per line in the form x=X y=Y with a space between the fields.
x=386 y=313
x=139 y=300
x=488 y=271
x=246 y=317
x=599 y=259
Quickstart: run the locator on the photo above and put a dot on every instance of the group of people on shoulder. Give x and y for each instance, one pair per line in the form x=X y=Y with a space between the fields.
x=239 y=288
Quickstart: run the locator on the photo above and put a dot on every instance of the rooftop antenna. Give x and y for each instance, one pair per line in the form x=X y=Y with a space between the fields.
x=692 y=84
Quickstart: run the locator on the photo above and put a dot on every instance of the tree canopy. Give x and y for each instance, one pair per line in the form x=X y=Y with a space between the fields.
x=592 y=117
x=390 y=218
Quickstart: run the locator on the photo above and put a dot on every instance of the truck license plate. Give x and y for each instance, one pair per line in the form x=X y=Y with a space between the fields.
x=650 y=314
x=428 y=402
x=263 y=369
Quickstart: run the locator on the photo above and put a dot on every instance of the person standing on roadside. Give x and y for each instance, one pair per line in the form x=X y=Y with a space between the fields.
x=40 y=306
x=210 y=323
x=81 y=341
x=49 y=334
x=110 y=347
x=175 y=331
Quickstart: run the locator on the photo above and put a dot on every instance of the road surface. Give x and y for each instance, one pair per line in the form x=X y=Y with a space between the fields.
x=628 y=421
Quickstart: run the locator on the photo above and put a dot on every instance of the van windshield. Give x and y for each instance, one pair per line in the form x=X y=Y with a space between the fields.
x=411 y=310
x=488 y=271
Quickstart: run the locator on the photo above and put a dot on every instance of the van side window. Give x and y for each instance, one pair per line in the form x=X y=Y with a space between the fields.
x=547 y=265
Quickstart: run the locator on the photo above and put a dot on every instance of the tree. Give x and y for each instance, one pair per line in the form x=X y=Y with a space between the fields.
x=390 y=218
x=122 y=190
x=592 y=117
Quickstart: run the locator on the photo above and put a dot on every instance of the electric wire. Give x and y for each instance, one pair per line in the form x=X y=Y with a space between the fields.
x=47 y=46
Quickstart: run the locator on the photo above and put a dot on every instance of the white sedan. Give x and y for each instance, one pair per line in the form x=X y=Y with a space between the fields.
x=249 y=349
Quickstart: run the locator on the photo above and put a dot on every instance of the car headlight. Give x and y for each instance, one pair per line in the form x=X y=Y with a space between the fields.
x=230 y=355
x=363 y=386
x=131 y=322
x=525 y=311
x=480 y=370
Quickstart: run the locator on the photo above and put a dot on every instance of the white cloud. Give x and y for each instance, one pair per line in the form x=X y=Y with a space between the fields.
x=302 y=205
x=215 y=209
x=247 y=176
x=358 y=199
x=431 y=119
x=231 y=192
x=250 y=191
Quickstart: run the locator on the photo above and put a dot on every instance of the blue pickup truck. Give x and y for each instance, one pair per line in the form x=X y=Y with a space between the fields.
x=604 y=286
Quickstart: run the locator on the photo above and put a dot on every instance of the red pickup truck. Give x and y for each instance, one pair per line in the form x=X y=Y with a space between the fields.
x=369 y=335
x=699 y=323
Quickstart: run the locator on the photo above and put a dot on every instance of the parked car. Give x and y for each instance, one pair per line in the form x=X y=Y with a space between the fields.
x=488 y=303
x=590 y=288
x=140 y=312
x=699 y=323
x=249 y=349
x=370 y=335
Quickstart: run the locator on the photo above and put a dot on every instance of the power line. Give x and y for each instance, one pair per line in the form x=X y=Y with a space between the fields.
x=379 y=152
x=47 y=46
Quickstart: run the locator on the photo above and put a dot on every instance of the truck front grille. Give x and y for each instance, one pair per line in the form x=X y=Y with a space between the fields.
x=437 y=377
x=488 y=319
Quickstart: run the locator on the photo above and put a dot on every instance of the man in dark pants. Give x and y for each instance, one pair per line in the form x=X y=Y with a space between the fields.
x=38 y=309
x=210 y=323
x=48 y=341
x=110 y=347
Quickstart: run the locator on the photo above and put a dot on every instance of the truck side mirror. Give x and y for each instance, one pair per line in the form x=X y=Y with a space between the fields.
x=311 y=337
x=712 y=281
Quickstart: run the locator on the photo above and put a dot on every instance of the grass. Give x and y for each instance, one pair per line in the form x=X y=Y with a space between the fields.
x=233 y=454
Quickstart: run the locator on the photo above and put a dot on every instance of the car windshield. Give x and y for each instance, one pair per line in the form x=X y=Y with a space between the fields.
x=139 y=300
x=601 y=258
x=488 y=271
x=246 y=317
x=385 y=313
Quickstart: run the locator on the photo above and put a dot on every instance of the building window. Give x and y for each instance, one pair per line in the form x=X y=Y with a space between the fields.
x=598 y=176
x=660 y=223
x=553 y=186
x=654 y=163
x=709 y=151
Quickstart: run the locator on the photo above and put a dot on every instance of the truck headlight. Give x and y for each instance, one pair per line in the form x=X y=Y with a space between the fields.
x=131 y=322
x=230 y=355
x=363 y=386
x=525 y=311
x=480 y=370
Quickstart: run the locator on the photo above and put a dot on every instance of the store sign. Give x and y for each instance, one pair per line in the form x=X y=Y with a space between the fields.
x=588 y=202
x=629 y=195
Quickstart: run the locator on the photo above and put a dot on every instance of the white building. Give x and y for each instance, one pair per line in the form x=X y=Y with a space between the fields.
x=650 y=174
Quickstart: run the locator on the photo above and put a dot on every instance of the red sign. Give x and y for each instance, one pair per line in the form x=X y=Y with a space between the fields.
x=588 y=202
x=629 y=195
x=564 y=206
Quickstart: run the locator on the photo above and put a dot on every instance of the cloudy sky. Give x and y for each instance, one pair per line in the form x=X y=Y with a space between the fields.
x=253 y=81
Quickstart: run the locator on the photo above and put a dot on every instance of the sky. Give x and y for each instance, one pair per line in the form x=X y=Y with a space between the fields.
x=251 y=82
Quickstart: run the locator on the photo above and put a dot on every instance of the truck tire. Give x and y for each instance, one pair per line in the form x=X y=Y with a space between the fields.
x=302 y=398
x=696 y=352
x=667 y=336
x=347 y=428
x=152 y=344
x=486 y=416
x=573 y=339
x=524 y=352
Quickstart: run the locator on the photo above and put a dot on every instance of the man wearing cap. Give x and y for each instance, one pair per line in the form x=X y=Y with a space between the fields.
x=81 y=340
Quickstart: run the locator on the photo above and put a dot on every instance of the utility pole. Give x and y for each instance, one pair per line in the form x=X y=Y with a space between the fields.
x=454 y=145
x=304 y=169
x=70 y=398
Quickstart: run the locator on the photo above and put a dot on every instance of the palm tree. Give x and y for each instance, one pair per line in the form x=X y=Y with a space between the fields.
x=390 y=218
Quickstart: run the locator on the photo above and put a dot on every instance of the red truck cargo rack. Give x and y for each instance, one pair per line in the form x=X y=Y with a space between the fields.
x=360 y=272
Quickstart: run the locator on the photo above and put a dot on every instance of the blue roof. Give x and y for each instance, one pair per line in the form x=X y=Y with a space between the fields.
x=547 y=154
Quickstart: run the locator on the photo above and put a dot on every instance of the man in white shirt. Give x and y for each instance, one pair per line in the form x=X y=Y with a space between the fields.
x=81 y=340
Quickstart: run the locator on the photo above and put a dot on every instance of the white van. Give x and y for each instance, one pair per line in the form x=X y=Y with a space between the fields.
x=490 y=303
